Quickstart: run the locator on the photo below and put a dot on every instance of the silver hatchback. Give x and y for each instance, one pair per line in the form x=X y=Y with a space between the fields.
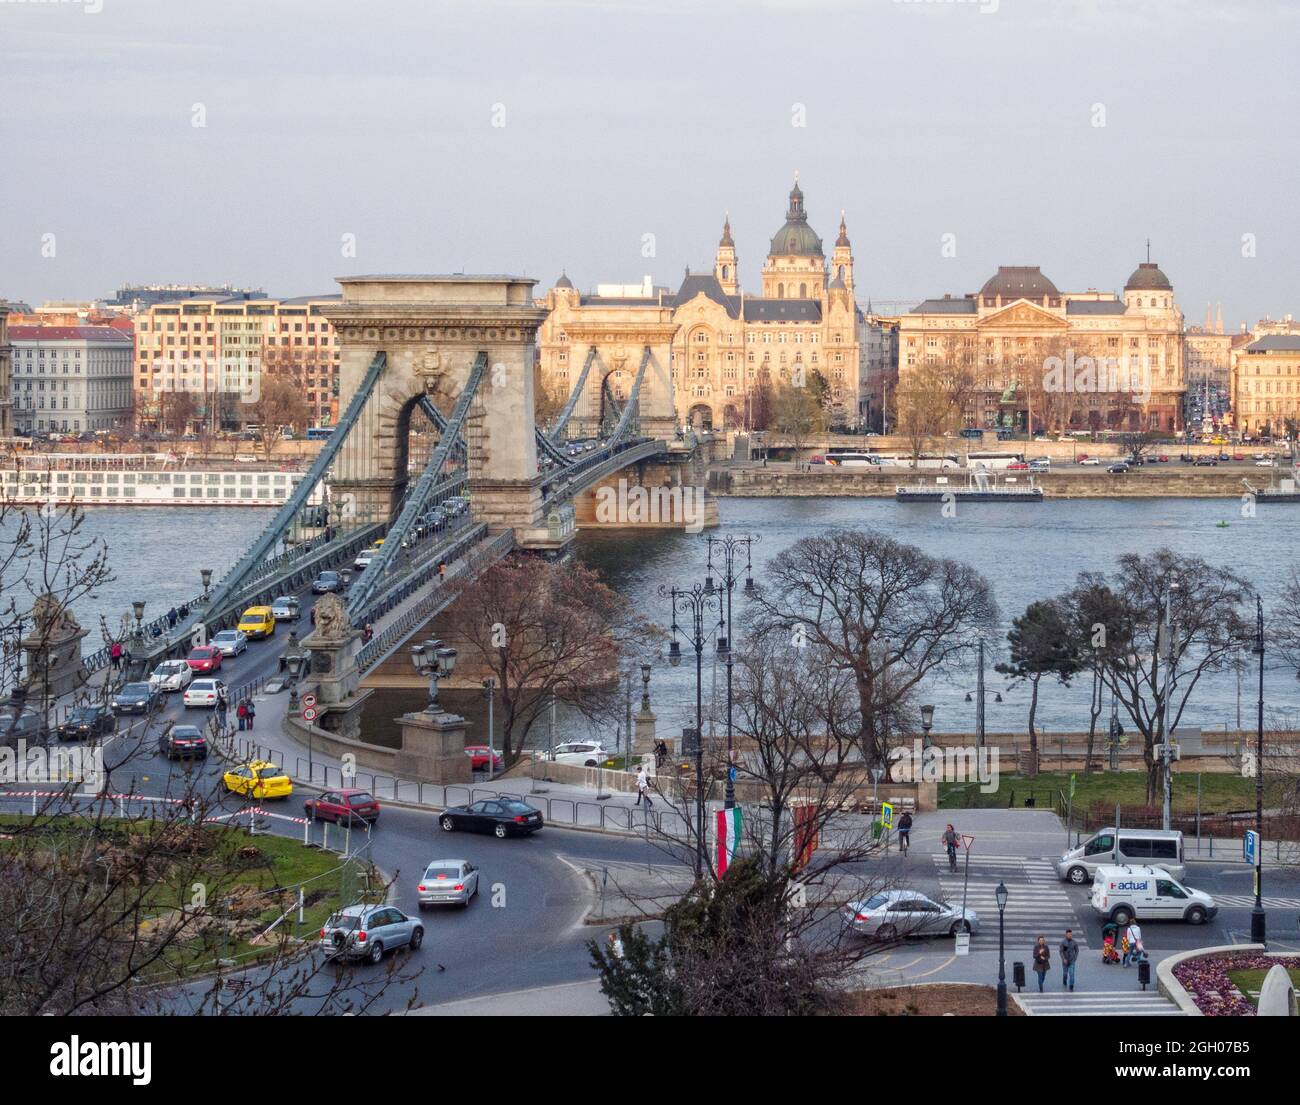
x=448 y=882
x=897 y=914
x=367 y=931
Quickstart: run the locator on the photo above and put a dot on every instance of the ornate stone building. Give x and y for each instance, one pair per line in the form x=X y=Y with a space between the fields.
x=1063 y=359
x=1265 y=388
x=724 y=343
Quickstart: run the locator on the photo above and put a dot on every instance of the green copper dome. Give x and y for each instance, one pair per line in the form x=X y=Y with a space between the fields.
x=796 y=237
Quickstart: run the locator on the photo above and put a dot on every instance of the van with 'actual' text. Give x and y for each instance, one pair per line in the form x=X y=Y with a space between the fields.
x=1123 y=894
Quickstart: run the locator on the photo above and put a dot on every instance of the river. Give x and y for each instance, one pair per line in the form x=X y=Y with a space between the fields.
x=1026 y=552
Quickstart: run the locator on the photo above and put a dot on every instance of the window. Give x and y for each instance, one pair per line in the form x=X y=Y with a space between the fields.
x=1099 y=844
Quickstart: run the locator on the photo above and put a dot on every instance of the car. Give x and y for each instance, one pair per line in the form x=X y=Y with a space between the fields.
x=1122 y=894
x=136 y=698
x=343 y=805
x=205 y=659
x=1238 y=456
x=367 y=931
x=171 y=675
x=478 y=757
x=447 y=882
x=88 y=722
x=1117 y=469
x=286 y=608
x=1040 y=464
x=231 y=642
x=972 y=432
x=258 y=779
x=579 y=753
x=327 y=583
x=183 y=740
x=1162 y=458
x=896 y=914
x=257 y=622
x=1224 y=457
x=1018 y=466
x=364 y=557
x=502 y=816
x=1086 y=460
x=1263 y=464
x=1205 y=462
x=203 y=692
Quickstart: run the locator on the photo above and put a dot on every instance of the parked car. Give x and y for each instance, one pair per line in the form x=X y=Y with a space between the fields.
x=286 y=608
x=88 y=722
x=183 y=740
x=136 y=698
x=896 y=914
x=367 y=931
x=203 y=692
x=580 y=753
x=231 y=642
x=479 y=755
x=171 y=675
x=205 y=659
x=502 y=816
x=257 y=622
x=1205 y=462
x=258 y=779
x=327 y=583
x=447 y=882
x=346 y=805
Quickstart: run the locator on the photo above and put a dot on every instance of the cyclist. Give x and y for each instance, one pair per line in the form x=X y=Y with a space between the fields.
x=950 y=840
x=905 y=832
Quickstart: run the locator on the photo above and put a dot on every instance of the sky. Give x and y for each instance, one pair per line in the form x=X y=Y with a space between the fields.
x=281 y=145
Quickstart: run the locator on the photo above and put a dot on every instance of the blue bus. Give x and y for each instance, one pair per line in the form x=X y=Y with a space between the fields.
x=319 y=433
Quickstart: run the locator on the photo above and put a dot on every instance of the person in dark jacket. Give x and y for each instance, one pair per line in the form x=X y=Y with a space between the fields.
x=1069 y=956
x=1042 y=960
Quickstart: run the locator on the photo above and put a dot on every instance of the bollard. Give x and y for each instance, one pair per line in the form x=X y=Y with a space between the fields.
x=1018 y=975
x=306 y=832
x=33 y=803
x=347 y=838
x=302 y=904
x=252 y=821
x=325 y=835
x=1144 y=973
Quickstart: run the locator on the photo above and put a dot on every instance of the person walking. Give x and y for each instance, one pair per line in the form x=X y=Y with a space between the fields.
x=661 y=754
x=250 y=711
x=643 y=787
x=115 y=654
x=241 y=712
x=1133 y=951
x=221 y=712
x=905 y=832
x=1042 y=960
x=950 y=840
x=171 y=618
x=1069 y=956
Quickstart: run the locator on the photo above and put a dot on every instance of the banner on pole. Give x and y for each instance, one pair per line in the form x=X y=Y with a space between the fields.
x=729 y=822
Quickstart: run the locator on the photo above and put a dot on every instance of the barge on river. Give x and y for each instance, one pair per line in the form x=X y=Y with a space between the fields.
x=980 y=487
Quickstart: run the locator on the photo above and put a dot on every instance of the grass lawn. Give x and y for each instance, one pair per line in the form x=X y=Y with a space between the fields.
x=227 y=885
x=1249 y=982
x=1219 y=792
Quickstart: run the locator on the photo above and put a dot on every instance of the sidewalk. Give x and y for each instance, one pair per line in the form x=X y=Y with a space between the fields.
x=573 y=999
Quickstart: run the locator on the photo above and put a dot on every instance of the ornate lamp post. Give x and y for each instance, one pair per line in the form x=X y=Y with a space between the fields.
x=927 y=723
x=1257 y=927
x=295 y=660
x=1000 y=896
x=489 y=692
x=728 y=549
x=695 y=603
x=431 y=660
x=205 y=574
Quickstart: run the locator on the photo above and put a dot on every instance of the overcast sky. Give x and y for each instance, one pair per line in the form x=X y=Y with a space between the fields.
x=377 y=119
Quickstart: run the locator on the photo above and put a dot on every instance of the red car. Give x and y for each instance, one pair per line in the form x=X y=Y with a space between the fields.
x=343 y=805
x=478 y=757
x=1017 y=466
x=204 y=659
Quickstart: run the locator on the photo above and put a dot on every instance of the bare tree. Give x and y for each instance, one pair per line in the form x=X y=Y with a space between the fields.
x=279 y=403
x=925 y=405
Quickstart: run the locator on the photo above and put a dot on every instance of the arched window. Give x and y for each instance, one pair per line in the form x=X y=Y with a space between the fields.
x=726 y=271
x=780 y=291
x=803 y=291
x=841 y=272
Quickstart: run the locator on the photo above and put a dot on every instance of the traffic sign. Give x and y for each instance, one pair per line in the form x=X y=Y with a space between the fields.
x=309 y=700
x=1250 y=846
x=309 y=714
x=967 y=841
x=887 y=815
x=963 y=943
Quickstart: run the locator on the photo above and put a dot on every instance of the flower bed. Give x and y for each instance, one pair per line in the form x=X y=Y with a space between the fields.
x=1216 y=995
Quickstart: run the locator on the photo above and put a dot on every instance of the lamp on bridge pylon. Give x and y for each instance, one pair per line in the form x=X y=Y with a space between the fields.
x=434 y=662
x=205 y=574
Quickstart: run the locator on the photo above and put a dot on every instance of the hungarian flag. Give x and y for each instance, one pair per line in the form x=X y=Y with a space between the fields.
x=728 y=837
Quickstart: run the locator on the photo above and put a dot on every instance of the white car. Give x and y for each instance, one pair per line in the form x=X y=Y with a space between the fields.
x=203 y=692
x=171 y=675
x=579 y=753
x=1263 y=464
x=364 y=557
x=231 y=642
x=1090 y=460
x=447 y=882
x=286 y=608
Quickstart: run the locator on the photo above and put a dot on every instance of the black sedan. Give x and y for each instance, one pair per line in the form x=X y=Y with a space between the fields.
x=136 y=698
x=183 y=740
x=500 y=816
x=87 y=722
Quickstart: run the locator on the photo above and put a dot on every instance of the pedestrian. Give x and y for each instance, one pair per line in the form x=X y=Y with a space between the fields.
x=615 y=945
x=950 y=840
x=643 y=787
x=241 y=712
x=1133 y=951
x=115 y=654
x=221 y=711
x=171 y=618
x=1042 y=960
x=661 y=754
x=250 y=711
x=1069 y=956
x=905 y=831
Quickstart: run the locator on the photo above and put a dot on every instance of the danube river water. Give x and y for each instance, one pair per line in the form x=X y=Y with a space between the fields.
x=1026 y=552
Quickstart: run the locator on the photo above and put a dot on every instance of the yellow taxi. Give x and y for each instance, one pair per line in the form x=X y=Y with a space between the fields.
x=258 y=779
x=257 y=622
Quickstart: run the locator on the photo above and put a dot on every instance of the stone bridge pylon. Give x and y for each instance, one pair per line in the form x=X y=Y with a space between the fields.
x=431 y=330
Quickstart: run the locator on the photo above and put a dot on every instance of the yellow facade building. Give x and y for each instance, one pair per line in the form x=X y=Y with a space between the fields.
x=1265 y=386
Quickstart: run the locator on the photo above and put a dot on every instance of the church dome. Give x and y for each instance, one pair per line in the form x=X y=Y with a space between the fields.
x=796 y=237
x=1147 y=277
x=564 y=282
x=1018 y=282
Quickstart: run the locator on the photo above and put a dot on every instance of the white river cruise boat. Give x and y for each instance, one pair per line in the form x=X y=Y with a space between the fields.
x=140 y=479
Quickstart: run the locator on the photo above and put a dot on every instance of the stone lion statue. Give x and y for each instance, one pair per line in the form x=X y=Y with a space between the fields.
x=332 y=618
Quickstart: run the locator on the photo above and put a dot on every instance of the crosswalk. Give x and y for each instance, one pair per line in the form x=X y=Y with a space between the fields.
x=1037 y=903
x=1248 y=900
x=1112 y=1003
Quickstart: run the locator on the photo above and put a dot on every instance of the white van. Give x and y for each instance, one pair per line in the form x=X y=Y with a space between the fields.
x=1158 y=847
x=1150 y=894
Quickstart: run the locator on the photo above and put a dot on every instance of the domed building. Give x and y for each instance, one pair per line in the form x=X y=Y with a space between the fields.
x=1028 y=355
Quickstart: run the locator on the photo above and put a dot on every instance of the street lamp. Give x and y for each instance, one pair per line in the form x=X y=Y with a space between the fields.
x=489 y=692
x=728 y=549
x=138 y=607
x=205 y=574
x=927 y=723
x=434 y=662
x=695 y=603
x=295 y=661
x=1257 y=927
x=1000 y=895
